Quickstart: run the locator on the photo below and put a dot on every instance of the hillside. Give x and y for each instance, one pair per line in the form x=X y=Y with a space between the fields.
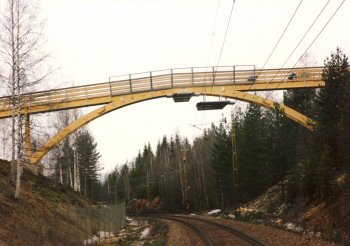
x=330 y=220
x=40 y=214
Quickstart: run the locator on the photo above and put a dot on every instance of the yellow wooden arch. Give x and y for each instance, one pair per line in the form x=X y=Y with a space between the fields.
x=125 y=100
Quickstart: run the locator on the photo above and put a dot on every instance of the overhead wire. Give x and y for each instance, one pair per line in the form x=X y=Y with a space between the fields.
x=313 y=41
x=212 y=41
x=307 y=31
x=277 y=43
x=211 y=46
x=335 y=12
x=280 y=38
x=319 y=14
x=221 y=51
x=223 y=42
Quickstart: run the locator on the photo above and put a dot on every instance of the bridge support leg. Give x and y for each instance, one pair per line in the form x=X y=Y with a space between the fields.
x=34 y=168
x=28 y=140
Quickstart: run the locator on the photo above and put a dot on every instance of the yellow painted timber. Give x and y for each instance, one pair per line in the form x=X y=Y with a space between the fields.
x=238 y=79
x=28 y=139
x=99 y=99
x=124 y=100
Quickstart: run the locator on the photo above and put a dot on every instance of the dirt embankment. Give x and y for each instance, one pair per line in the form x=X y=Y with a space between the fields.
x=42 y=202
x=329 y=220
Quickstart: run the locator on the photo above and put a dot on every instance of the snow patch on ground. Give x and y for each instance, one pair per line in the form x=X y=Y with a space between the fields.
x=91 y=241
x=232 y=216
x=215 y=211
x=145 y=233
x=94 y=240
x=105 y=234
x=134 y=223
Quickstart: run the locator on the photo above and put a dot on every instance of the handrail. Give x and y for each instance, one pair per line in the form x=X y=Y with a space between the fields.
x=171 y=78
x=174 y=72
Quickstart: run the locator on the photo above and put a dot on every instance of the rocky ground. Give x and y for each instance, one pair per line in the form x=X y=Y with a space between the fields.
x=271 y=235
x=140 y=232
x=164 y=232
x=328 y=220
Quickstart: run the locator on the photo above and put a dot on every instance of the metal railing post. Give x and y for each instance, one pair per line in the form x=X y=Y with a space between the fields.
x=66 y=95
x=172 y=78
x=234 y=74
x=192 y=76
x=50 y=98
x=150 y=76
x=86 y=94
x=110 y=87
x=213 y=75
x=255 y=78
x=130 y=84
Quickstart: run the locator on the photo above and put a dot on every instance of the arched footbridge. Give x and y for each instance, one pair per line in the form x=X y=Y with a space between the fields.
x=230 y=82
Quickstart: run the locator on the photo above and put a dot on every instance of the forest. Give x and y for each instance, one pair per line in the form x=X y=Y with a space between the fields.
x=270 y=149
x=265 y=147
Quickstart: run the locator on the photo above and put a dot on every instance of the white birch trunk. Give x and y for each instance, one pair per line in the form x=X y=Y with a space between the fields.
x=70 y=176
x=61 y=174
x=78 y=177
x=74 y=170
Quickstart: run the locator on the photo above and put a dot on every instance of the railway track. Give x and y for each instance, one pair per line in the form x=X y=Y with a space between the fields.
x=213 y=233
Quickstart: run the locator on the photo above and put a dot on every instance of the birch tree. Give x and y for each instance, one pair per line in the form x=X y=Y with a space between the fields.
x=22 y=64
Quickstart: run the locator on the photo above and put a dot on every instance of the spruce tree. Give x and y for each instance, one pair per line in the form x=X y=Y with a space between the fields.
x=331 y=115
x=88 y=157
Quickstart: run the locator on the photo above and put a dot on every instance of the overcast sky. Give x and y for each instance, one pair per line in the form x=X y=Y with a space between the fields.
x=91 y=40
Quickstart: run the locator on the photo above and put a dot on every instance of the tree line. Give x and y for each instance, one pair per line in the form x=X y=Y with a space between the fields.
x=271 y=150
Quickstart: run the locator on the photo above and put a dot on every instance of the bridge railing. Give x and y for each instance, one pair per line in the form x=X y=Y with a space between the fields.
x=166 y=79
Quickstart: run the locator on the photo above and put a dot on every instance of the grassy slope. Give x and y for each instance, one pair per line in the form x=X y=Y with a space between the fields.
x=42 y=204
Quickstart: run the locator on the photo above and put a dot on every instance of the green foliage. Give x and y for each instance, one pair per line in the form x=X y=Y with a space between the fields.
x=326 y=150
x=252 y=158
x=221 y=163
x=88 y=156
x=271 y=149
x=77 y=163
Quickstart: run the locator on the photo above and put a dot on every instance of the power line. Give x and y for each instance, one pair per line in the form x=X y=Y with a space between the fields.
x=227 y=27
x=313 y=41
x=212 y=36
x=285 y=29
x=307 y=31
x=211 y=46
x=222 y=48
x=223 y=42
x=319 y=14
x=213 y=33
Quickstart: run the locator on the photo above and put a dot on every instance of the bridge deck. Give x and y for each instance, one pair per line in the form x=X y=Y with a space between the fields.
x=241 y=78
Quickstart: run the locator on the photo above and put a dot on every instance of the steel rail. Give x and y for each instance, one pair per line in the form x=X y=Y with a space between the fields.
x=199 y=232
x=235 y=231
x=232 y=230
